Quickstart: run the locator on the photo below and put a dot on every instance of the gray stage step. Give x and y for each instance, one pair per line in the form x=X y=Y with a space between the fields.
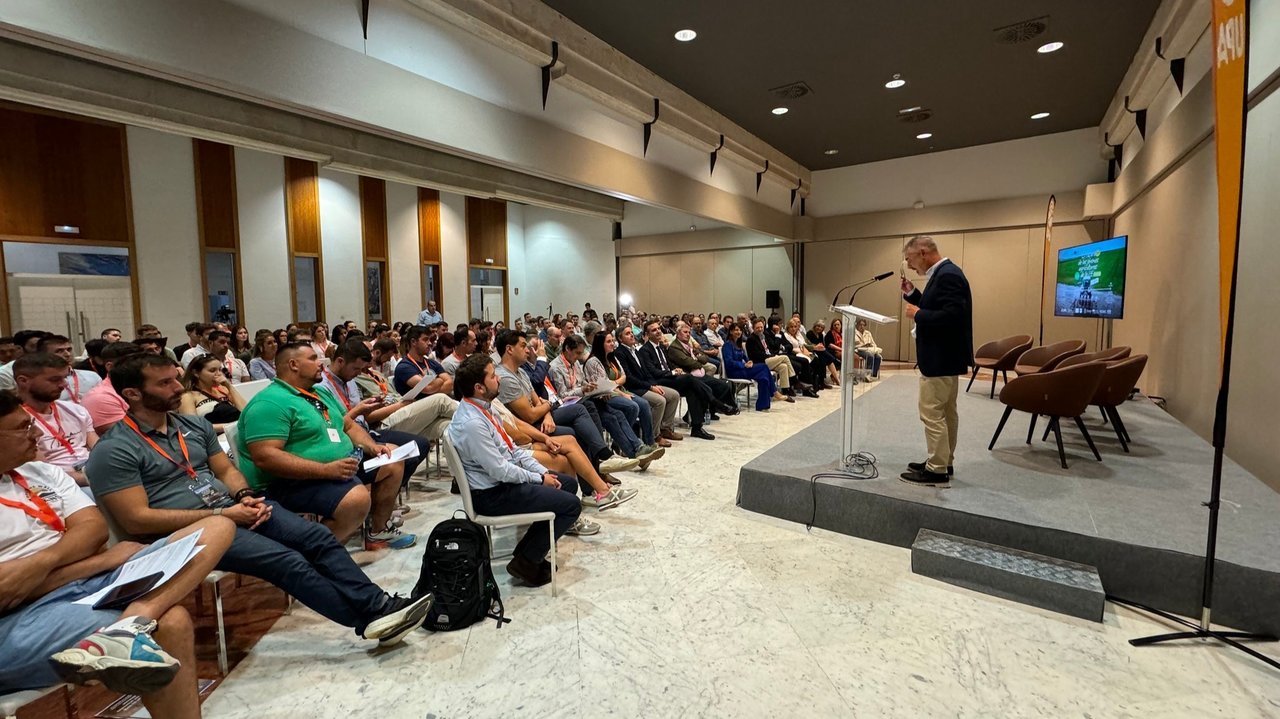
x=1045 y=582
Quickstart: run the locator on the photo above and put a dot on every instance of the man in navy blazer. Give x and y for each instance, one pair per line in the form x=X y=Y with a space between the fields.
x=943 y=316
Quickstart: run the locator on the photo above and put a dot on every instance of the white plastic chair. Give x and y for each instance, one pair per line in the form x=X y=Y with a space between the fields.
x=248 y=389
x=738 y=384
x=499 y=521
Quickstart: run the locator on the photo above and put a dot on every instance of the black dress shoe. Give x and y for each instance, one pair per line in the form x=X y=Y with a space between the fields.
x=922 y=467
x=731 y=410
x=810 y=392
x=532 y=574
x=713 y=417
x=926 y=479
x=701 y=433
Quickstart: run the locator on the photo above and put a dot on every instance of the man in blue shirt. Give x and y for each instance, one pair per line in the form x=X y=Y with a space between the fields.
x=430 y=316
x=504 y=478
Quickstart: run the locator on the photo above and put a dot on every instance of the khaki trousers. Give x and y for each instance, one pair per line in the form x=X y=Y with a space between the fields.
x=941 y=421
x=426 y=417
x=781 y=365
x=663 y=404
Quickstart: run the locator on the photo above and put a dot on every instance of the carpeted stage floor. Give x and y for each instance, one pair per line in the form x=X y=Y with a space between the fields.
x=1137 y=517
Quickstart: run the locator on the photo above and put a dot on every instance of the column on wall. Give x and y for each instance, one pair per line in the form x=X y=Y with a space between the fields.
x=430 y=250
x=373 y=235
x=302 y=226
x=487 y=258
x=221 y=296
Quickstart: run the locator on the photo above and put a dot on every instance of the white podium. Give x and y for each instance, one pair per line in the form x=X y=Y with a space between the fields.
x=849 y=316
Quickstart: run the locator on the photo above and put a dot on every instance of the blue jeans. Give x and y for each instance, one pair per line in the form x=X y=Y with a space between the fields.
x=760 y=374
x=576 y=418
x=619 y=415
x=644 y=417
x=28 y=635
x=304 y=559
x=522 y=498
x=873 y=361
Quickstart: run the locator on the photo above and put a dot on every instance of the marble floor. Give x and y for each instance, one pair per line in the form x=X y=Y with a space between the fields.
x=686 y=606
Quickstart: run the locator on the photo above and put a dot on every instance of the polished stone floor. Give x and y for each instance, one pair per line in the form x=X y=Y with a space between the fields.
x=686 y=606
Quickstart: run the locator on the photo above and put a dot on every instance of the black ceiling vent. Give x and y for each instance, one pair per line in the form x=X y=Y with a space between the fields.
x=1020 y=32
x=915 y=114
x=791 y=90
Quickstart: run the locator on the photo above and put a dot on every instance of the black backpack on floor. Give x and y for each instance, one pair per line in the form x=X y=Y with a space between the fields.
x=455 y=568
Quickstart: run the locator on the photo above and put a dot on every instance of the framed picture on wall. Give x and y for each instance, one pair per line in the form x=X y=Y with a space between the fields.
x=373 y=289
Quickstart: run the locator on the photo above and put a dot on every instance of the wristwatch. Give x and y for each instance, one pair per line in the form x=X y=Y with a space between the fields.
x=217 y=511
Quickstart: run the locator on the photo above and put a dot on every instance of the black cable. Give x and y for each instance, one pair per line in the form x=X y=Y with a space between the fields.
x=859 y=465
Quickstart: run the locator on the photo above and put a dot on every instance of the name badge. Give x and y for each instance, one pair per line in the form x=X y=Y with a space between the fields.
x=334 y=436
x=209 y=495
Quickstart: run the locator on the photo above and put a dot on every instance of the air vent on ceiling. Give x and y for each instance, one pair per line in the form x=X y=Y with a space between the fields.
x=918 y=114
x=791 y=90
x=1020 y=32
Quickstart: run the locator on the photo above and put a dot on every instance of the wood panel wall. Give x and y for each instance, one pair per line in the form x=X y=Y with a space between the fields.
x=302 y=221
x=59 y=170
x=373 y=234
x=486 y=233
x=217 y=212
x=429 y=225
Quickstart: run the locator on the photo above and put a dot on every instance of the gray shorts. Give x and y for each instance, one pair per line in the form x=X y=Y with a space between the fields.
x=30 y=634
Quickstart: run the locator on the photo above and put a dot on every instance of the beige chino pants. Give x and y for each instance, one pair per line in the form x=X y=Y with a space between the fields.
x=782 y=366
x=941 y=421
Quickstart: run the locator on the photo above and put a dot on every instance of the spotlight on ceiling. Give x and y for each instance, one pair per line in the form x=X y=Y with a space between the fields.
x=624 y=300
x=685 y=35
x=779 y=110
x=1039 y=116
x=909 y=110
x=1049 y=47
x=896 y=82
x=924 y=136
x=831 y=152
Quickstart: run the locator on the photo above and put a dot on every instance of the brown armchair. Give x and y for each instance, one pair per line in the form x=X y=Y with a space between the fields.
x=1046 y=358
x=1117 y=383
x=1114 y=354
x=1057 y=393
x=999 y=356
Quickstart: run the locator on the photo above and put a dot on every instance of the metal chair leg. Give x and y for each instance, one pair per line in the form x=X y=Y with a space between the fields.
x=222 y=630
x=551 y=530
x=993 y=385
x=1115 y=426
x=971 y=379
x=1000 y=427
x=1087 y=438
x=1115 y=417
x=1032 y=429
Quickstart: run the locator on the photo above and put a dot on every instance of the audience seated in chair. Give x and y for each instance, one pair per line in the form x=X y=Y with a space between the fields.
x=302 y=450
x=104 y=404
x=602 y=366
x=685 y=356
x=210 y=394
x=866 y=346
x=148 y=493
x=816 y=341
x=664 y=402
x=760 y=351
x=505 y=479
x=739 y=366
x=66 y=430
x=656 y=369
x=619 y=416
x=53 y=555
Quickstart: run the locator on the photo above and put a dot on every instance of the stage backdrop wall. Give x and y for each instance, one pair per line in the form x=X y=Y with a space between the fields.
x=724 y=280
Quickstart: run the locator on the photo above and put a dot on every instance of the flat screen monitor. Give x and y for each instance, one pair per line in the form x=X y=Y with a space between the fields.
x=1091 y=280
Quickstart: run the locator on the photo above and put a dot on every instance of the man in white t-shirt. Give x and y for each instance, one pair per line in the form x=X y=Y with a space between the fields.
x=66 y=430
x=51 y=539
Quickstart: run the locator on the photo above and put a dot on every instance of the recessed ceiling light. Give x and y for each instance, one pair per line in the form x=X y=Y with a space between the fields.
x=906 y=110
x=1049 y=47
x=924 y=136
x=779 y=111
x=831 y=152
x=685 y=35
x=1039 y=116
x=896 y=82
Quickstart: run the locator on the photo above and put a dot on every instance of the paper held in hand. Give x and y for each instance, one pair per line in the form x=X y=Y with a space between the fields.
x=604 y=386
x=166 y=561
x=415 y=390
x=399 y=454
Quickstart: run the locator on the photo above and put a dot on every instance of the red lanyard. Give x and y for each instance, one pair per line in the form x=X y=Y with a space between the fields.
x=41 y=511
x=340 y=389
x=493 y=422
x=573 y=375
x=421 y=370
x=58 y=433
x=382 y=384
x=75 y=393
x=315 y=401
x=190 y=470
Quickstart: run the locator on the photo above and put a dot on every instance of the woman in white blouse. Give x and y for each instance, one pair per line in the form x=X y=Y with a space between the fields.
x=867 y=348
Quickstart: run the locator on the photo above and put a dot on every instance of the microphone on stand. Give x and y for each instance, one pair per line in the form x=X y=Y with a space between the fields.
x=860 y=285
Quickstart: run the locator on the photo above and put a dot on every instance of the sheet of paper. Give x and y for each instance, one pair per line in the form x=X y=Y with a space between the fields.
x=604 y=386
x=167 y=560
x=399 y=454
x=415 y=390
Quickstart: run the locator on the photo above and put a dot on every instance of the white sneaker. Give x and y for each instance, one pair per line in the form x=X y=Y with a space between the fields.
x=583 y=528
x=618 y=464
x=614 y=497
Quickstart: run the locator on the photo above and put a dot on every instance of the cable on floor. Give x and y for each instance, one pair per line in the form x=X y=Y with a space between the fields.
x=859 y=465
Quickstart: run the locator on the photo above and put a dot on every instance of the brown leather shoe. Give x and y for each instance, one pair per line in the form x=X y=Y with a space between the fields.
x=663 y=442
x=531 y=574
x=671 y=434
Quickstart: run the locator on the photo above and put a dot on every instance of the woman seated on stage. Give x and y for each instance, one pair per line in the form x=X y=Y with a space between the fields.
x=867 y=348
x=210 y=394
x=737 y=366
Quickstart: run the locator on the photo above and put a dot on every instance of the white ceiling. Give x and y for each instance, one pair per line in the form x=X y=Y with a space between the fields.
x=642 y=220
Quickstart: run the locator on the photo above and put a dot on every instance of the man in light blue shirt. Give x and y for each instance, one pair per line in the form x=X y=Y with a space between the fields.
x=430 y=316
x=505 y=479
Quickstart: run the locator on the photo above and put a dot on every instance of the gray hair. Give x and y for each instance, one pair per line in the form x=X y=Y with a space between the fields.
x=925 y=243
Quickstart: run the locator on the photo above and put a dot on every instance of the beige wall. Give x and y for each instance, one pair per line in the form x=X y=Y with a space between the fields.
x=717 y=280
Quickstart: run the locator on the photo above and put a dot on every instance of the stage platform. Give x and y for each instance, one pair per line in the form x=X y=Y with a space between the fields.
x=1137 y=517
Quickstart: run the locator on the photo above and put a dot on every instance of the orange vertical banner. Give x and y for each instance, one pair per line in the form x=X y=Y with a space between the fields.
x=1230 y=46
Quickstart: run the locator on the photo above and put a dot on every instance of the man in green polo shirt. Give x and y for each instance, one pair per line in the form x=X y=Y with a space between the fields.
x=300 y=446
